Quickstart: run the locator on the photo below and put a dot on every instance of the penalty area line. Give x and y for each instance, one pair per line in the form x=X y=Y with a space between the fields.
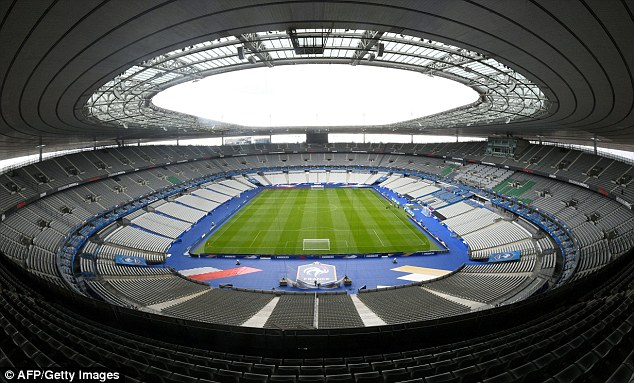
x=256 y=237
x=382 y=244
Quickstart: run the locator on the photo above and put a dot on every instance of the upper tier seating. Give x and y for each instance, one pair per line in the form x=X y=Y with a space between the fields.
x=31 y=235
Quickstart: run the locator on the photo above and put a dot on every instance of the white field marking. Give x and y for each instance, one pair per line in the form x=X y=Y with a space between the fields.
x=306 y=228
x=382 y=244
x=411 y=229
x=292 y=247
x=318 y=208
x=231 y=222
x=242 y=247
x=225 y=227
x=256 y=237
x=408 y=224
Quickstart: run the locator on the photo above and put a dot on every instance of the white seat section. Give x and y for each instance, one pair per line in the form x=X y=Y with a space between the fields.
x=358 y=177
x=423 y=191
x=374 y=177
x=211 y=195
x=181 y=212
x=390 y=179
x=161 y=224
x=419 y=184
x=398 y=183
x=134 y=238
x=525 y=246
x=198 y=202
x=298 y=177
x=338 y=177
x=407 y=187
x=224 y=189
x=412 y=188
x=244 y=181
x=236 y=185
x=455 y=209
x=317 y=176
x=524 y=265
x=157 y=203
x=470 y=221
x=260 y=179
x=108 y=252
x=498 y=234
x=433 y=201
x=276 y=178
x=483 y=175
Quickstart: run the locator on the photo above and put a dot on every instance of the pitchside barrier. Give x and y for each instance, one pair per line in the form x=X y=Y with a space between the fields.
x=321 y=256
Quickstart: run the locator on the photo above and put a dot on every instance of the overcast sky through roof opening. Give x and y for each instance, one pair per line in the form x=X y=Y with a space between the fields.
x=316 y=95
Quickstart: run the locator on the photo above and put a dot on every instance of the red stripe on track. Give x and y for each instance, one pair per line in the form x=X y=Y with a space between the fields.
x=224 y=273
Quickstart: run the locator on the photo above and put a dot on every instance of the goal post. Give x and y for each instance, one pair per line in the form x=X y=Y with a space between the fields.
x=316 y=244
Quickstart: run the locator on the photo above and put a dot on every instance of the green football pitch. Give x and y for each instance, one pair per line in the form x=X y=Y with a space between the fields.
x=334 y=220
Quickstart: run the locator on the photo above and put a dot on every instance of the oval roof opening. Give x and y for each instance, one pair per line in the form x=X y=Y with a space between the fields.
x=316 y=95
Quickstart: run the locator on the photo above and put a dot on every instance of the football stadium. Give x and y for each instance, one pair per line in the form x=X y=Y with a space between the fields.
x=317 y=191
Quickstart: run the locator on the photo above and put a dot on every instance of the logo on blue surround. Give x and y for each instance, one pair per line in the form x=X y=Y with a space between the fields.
x=504 y=257
x=317 y=271
x=129 y=260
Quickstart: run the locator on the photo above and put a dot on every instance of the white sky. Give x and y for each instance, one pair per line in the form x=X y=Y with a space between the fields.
x=316 y=95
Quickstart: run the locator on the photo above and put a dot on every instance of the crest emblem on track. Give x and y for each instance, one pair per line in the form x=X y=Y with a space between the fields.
x=317 y=271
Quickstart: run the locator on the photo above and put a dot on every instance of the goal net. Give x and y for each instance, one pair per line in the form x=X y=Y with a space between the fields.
x=316 y=244
x=317 y=187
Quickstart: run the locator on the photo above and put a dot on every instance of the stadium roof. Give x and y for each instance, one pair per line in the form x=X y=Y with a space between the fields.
x=78 y=71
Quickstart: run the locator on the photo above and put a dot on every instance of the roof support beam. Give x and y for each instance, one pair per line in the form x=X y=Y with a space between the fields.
x=368 y=40
x=257 y=47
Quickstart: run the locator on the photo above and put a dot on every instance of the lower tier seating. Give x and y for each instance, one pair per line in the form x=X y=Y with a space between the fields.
x=580 y=334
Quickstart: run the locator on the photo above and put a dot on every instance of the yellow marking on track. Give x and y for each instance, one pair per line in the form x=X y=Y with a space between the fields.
x=421 y=270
